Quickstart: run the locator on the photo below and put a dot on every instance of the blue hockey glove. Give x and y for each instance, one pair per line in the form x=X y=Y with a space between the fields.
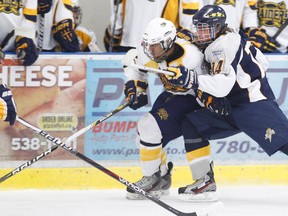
x=7 y=105
x=26 y=50
x=135 y=92
x=220 y=106
x=44 y=6
x=184 y=33
x=261 y=40
x=116 y=40
x=183 y=77
x=64 y=34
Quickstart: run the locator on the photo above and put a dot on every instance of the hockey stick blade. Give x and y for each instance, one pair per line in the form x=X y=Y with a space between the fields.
x=110 y=173
x=55 y=141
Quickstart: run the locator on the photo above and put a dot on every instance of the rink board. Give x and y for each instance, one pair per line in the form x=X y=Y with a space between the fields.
x=40 y=92
x=92 y=178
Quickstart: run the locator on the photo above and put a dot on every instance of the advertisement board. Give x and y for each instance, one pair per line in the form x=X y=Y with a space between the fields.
x=63 y=93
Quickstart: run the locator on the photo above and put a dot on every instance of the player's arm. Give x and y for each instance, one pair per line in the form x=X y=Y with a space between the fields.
x=26 y=33
x=87 y=39
x=113 y=32
x=63 y=28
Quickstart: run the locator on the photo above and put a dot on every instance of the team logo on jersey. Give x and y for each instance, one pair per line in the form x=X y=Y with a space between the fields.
x=272 y=14
x=10 y=6
x=269 y=133
x=163 y=114
x=225 y=2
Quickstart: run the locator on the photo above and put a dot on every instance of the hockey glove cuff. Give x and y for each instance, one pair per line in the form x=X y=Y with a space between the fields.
x=183 y=77
x=116 y=40
x=135 y=92
x=44 y=6
x=65 y=35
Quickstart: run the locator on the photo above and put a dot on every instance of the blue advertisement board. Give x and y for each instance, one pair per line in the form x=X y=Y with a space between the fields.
x=114 y=139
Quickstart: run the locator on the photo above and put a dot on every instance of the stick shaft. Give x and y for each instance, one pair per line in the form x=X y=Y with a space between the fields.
x=56 y=141
x=142 y=67
x=93 y=124
x=104 y=170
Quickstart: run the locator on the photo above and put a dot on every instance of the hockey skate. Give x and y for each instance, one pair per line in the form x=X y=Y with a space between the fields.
x=155 y=185
x=166 y=180
x=202 y=190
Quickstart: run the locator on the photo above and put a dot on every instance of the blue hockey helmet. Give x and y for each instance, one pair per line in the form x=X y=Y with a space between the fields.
x=208 y=23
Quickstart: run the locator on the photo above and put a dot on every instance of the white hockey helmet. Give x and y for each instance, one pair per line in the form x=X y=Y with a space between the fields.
x=77 y=12
x=159 y=31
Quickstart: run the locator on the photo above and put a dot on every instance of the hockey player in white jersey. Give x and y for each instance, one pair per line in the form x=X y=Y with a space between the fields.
x=55 y=26
x=18 y=31
x=160 y=49
x=129 y=17
x=87 y=38
x=238 y=74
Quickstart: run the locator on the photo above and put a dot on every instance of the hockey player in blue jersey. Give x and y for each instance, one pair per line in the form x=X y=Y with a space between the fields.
x=237 y=73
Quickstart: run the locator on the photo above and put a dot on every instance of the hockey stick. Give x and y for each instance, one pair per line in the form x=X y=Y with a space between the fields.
x=282 y=27
x=111 y=42
x=55 y=141
x=41 y=31
x=155 y=70
x=132 y=186
x=93 y=124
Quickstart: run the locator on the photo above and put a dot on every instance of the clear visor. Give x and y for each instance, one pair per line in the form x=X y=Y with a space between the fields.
x=155 y=52
x=203 y=33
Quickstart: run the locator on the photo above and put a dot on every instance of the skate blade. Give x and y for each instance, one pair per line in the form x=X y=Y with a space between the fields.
x=136 y=196
x=165 y=192
x=203 y=197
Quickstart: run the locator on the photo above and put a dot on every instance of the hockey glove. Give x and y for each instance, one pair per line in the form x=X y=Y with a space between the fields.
x=135 y=92
x=183 y=77
x=44 y=6
x=261 y=40
x=26 y=50
x=217 y=105
x=184 y=33
x=116 y=40
x=64 y=34
x=7 y=105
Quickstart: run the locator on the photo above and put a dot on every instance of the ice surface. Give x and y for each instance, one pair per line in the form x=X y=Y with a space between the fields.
x=238 y=201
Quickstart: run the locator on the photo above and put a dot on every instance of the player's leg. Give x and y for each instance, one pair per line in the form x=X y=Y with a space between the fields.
x=265 y=123
x=161 y=125
x=197 y=129
x=198 y=156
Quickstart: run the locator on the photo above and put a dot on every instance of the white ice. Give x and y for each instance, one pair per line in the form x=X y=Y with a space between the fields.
x=238 y=201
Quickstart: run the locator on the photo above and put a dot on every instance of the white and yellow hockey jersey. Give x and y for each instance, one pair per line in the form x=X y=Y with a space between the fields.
x=272 y=15
x=60 y=10
x=188 y=55
x=240 y=13
x=134 y=15
x=87 y=39
x=19 y=16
